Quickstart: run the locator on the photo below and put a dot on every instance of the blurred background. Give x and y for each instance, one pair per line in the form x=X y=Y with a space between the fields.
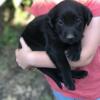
x=15 y=83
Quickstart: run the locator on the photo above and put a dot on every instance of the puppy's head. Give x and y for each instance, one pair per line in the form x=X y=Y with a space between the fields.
x=68 y=20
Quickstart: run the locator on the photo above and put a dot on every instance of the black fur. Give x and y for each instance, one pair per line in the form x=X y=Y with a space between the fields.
x=59 y=30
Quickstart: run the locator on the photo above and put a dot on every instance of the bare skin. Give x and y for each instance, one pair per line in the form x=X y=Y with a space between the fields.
x=25 y=57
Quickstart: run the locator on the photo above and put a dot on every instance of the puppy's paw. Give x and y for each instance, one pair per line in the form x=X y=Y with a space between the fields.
x=59 y=84
x=70 y=85
x=79 y=74
x=73 y=55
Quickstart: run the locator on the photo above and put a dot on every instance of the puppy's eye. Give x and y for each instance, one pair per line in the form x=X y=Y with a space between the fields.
x=60 y=22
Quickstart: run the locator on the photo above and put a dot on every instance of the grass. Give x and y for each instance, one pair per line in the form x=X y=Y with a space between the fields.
x=8 y=37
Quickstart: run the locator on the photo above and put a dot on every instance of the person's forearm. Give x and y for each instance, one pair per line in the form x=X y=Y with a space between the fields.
x=84 y=60
x=41 y=59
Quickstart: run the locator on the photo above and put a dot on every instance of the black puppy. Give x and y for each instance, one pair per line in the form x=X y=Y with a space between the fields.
x=59 y=30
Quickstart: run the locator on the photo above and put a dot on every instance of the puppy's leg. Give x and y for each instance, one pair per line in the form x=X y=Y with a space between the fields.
x=54 y=74
x=59 y=59
x=79 y=74
x=74 y=51
x=74 y=54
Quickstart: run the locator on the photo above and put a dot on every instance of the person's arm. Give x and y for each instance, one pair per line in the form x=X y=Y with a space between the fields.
x=26 y=58
x=90 y=44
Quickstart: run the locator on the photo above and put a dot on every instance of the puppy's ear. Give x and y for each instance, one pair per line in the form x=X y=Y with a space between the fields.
x=52 y=16
x=49 y=21
x=87 y=15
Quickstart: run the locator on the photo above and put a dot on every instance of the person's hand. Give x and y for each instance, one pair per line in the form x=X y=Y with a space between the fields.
x=23 y=55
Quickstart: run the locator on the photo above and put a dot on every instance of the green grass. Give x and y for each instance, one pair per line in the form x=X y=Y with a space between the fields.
x=9 y=37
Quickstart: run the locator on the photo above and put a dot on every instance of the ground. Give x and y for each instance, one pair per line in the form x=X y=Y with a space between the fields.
x=18 y=84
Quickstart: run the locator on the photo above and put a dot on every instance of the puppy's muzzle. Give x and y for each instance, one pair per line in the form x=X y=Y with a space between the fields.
x=70 y=38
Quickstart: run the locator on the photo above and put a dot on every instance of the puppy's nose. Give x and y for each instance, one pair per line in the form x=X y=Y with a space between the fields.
x=70 y=36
